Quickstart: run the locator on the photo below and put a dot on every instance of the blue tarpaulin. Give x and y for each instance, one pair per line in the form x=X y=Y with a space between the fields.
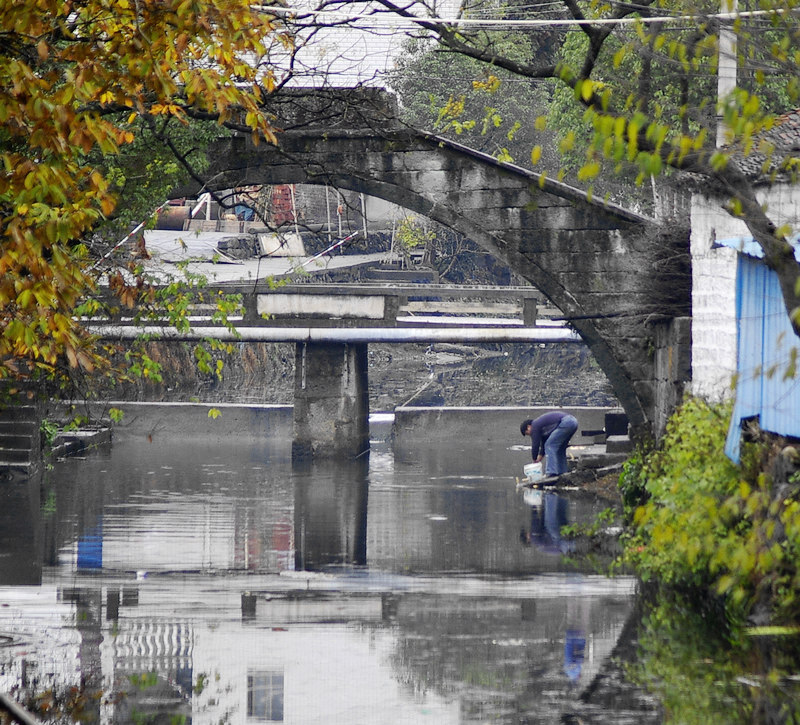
x=767 y=350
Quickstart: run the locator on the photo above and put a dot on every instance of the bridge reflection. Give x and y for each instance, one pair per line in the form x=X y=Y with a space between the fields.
x=330 y=515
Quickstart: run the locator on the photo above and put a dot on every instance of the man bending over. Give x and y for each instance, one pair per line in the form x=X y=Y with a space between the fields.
x=550 y=435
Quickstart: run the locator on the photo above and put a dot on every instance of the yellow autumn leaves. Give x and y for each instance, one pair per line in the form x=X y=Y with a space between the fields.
x=75 y=76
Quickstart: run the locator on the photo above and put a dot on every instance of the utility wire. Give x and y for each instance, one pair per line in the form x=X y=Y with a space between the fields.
x=413 y=22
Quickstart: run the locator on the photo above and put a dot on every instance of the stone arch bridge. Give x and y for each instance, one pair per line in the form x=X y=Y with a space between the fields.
x=620 y=278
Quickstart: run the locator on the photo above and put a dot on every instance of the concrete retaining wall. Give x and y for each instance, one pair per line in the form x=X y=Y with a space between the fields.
x=20 y=439
x=191 y=420
x=492 y=424
x=484 y=424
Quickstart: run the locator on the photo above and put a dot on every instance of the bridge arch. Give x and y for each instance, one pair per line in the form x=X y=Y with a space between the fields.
x=612 y=272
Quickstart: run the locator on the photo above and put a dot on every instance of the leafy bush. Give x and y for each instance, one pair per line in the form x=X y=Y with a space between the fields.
x=632 y=484
x=708 y=523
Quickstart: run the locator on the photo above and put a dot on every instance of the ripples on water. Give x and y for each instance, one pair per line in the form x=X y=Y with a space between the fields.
x=218 y=583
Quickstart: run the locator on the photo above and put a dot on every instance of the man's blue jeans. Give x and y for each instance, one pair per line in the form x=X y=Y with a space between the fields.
x=555 y=447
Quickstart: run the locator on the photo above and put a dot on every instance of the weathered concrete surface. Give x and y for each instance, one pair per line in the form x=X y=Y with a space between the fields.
x=331 y=401
x=495 y=425
x=294 y=305
x=611 y=271
x=672 y=363
x=484 y=425
x=192 y=420
x=74 y=442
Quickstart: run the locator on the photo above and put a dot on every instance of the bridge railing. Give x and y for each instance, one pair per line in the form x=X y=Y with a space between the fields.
x=367 y=305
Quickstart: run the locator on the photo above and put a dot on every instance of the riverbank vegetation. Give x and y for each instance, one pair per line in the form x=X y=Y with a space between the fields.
x=716 y=546
x=700 y=522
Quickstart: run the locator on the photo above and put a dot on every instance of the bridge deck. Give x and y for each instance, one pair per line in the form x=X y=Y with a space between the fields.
x=368 y=312
x=278 y=308
x=422 y=335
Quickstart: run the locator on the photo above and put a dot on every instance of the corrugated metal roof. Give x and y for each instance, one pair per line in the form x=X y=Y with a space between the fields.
x=767 y=347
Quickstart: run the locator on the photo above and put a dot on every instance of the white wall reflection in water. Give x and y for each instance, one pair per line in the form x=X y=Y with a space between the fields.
x=322 y=652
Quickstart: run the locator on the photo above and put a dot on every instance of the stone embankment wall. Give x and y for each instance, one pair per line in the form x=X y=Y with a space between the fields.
x=181 y=421
x=479 y=425
x=673 y=368
x=20 y=440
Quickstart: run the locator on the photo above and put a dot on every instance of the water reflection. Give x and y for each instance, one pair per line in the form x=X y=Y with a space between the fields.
x=706 y=669
x=221 y=584
x=20 y=531
x=549 y=512
x=330 y=514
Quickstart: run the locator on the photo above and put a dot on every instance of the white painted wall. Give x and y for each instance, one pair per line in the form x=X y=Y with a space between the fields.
x=713 y=299
x=714 y=286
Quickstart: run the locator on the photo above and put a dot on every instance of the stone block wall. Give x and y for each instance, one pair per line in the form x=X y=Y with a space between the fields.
x=673 y=368
x=485 y=425
x=20 y=438
x=713 y=299
x=609 y=270
x=174 y=422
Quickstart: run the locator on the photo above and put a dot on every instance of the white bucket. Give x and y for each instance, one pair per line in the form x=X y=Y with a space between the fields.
x=533 y=471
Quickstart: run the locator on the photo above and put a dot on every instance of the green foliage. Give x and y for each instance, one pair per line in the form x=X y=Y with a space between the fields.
x=631 y=100
x=76 y=422
x=602 y=520
x=144 y=680
x=49 y=503
x=484 y=107
x=49 y=430
x=200 y=683
x=142 y=173
x=711 y=525
x=704 y=671
x=410 y=234
x=651 y=97
x=65 y=704
x=632 y=484
x=150 y=301
x=90 y=102
x=687 y=479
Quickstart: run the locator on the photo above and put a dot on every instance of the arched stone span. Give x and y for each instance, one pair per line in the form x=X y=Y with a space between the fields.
x=611 y=271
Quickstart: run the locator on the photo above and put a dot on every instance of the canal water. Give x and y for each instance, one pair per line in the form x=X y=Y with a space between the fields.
x=210 y=582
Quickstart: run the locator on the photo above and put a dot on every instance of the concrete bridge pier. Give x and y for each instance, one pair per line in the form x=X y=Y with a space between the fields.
x=331 y=401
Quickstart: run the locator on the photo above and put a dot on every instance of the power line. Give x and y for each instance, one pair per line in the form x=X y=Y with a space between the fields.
x=406 y=22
